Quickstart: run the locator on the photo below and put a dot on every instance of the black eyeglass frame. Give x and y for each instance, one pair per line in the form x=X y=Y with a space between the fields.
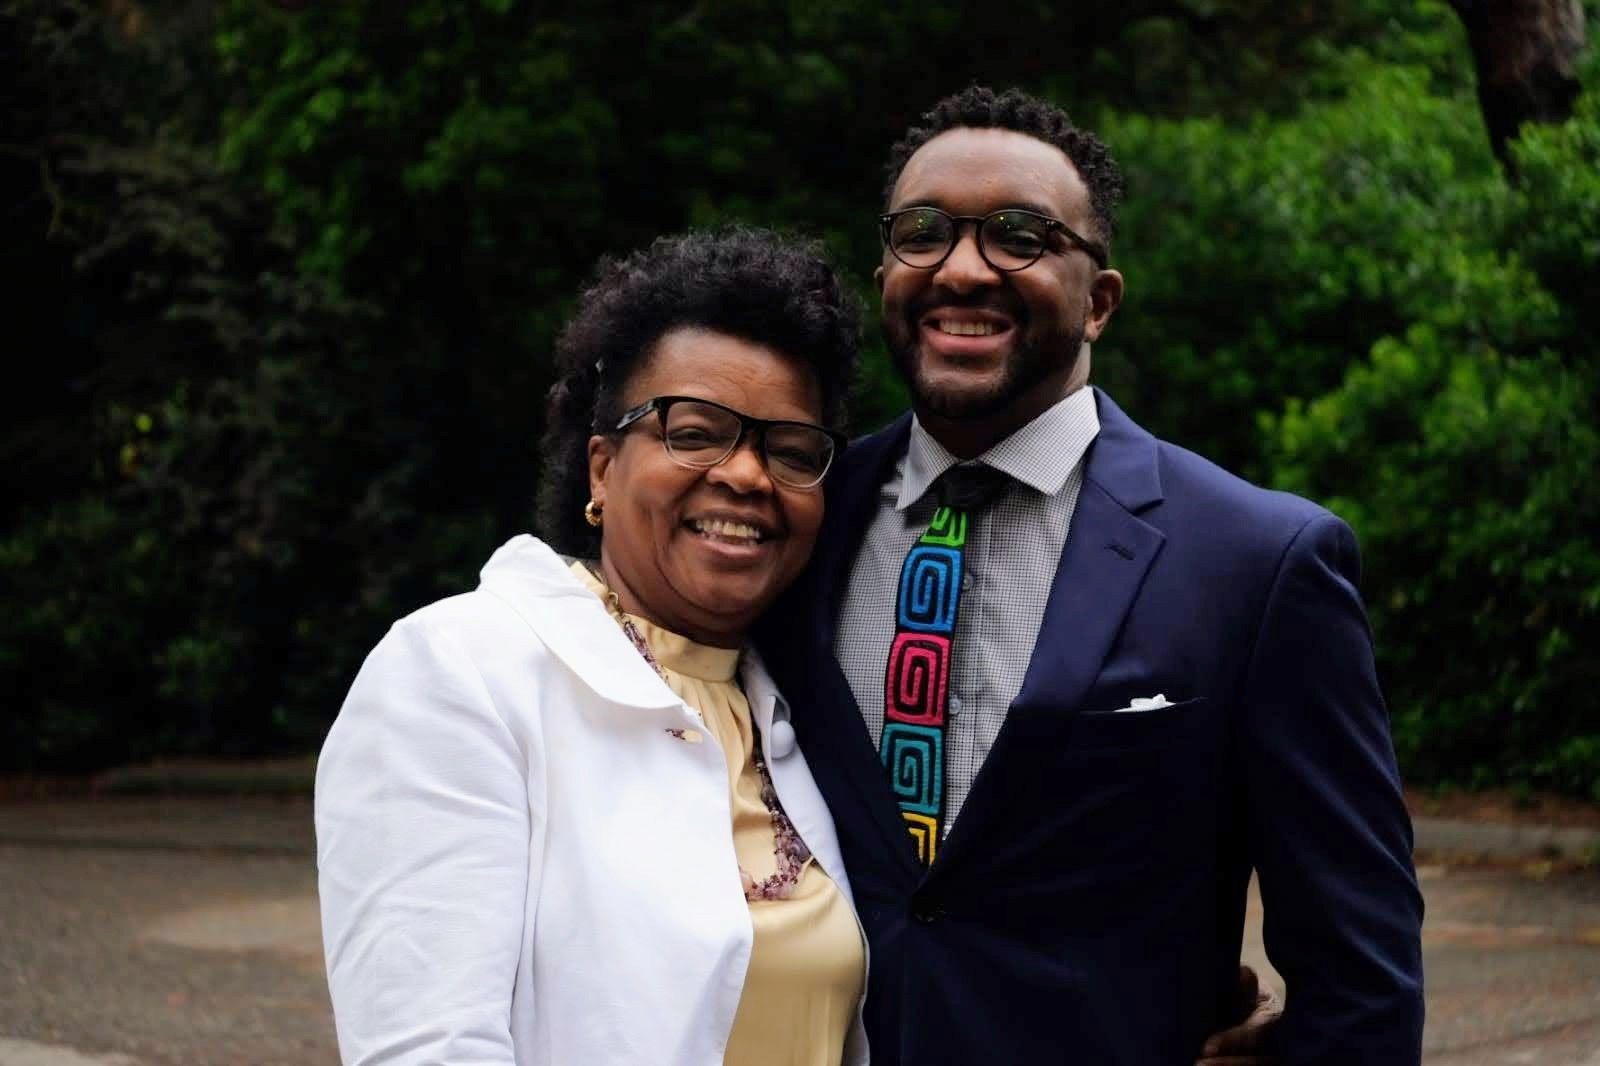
x=1093 y=249
x=748 y=424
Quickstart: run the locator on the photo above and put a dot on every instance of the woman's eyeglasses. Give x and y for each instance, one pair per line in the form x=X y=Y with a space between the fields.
x=1009 y=240
x=699 y=433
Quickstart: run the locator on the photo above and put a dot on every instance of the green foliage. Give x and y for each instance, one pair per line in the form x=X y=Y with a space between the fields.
x=1466 y=474
x=486 y=155
x=1464 y=449
x=301 y=273
x=1263 y=259
x=187 y=538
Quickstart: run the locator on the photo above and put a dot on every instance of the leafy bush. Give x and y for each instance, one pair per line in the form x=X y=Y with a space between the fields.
x=1464 y=449
x=198 y=500
x=1264 y=258
x=300 y=275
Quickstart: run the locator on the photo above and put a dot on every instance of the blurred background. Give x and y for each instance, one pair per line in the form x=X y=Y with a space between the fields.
x=281 y=282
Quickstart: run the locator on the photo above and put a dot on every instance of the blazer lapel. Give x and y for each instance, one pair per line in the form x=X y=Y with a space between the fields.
x=833 y=734
x=573 y=624
x=1102 y=566
x=1109 y=549
x=851 y=506
x=790 y=771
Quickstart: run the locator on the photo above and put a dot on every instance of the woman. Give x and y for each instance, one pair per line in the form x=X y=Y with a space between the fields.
x=523 y=810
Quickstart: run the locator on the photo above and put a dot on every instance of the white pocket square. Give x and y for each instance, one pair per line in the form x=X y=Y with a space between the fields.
x=1145 y=703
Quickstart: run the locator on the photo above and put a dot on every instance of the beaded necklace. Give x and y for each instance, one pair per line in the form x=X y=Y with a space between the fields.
x=789 y=852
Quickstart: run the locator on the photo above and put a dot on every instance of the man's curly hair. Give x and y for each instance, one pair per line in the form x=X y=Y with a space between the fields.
x=979 y=107
x=771 y=290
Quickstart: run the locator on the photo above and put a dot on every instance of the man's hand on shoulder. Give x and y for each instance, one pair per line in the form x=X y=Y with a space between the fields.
x=1248 y=1043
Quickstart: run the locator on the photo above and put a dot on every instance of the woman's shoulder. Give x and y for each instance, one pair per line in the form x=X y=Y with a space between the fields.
x=524 y=590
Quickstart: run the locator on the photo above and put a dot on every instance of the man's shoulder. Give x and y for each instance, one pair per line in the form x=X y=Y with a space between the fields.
x=1135 y=465
x=1233 y=531
x=1204 y=504
x=1187 y=475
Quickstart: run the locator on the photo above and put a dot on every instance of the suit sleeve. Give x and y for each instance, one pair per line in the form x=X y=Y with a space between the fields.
x=1329 y=834
x=423 y=859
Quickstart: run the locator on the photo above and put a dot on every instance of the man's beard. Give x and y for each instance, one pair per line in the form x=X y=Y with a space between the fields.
x=1027 y=365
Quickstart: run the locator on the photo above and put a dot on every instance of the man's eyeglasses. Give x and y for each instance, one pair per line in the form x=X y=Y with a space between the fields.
x=1008 y=240
x=700 y=433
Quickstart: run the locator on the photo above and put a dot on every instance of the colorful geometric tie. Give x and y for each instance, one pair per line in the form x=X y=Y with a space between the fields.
x=917 y=681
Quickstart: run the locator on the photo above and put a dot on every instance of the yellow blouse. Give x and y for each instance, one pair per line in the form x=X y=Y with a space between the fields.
x=807 y=962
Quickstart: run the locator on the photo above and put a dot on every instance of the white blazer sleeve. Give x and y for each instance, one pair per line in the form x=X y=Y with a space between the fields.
x=422 y=816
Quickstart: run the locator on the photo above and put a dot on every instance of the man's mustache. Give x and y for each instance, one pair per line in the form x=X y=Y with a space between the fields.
x=996 y=302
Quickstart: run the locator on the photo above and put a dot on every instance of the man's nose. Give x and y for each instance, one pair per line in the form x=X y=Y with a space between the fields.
x=965 y=269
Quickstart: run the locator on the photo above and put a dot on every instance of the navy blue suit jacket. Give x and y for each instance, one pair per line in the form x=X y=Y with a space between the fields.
x=1087 y=905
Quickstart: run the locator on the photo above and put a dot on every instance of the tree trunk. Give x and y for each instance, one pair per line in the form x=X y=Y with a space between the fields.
x=1526 y=53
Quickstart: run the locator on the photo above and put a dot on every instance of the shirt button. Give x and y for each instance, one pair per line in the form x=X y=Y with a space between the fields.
x=966 y=580
x=955 y=705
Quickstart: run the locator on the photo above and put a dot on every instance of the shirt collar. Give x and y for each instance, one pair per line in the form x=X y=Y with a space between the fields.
x=1041 y=454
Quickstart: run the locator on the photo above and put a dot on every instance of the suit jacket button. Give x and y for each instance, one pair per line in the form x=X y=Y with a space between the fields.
x=927 y=912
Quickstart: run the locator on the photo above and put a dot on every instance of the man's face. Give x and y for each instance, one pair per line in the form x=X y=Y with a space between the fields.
x=975 y=342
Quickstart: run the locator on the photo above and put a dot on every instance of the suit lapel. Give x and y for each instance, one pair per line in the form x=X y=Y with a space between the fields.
x=1102 y=566
x=1109 y=550
x=834 y=735
x=852 y=504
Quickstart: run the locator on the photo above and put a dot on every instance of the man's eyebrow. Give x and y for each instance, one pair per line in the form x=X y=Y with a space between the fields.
x=1015 y=205
x=1029 y=205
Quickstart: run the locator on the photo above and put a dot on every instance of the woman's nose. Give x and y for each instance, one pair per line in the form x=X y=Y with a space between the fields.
x=743 y=470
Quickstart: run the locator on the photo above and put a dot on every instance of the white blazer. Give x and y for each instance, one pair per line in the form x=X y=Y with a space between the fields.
x=518 y=863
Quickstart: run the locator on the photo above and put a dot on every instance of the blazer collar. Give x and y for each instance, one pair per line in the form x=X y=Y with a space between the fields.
x=852 y=503
x=572 y=622
x=1123 y=459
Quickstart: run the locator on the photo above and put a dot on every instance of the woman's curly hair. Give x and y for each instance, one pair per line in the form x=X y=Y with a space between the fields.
x=772 y=290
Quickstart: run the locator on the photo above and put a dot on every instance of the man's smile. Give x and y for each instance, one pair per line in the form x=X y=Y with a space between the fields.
x=966 y=332
x=966 y=329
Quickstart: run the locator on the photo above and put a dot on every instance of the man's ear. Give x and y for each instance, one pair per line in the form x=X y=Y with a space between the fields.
x=602 y=450
x=1105 y=296
x=877 y=279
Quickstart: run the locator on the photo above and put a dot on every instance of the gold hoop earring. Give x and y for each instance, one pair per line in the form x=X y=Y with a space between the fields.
x=591 y=514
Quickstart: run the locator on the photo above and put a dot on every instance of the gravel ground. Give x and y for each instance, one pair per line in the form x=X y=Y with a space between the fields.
x=184 y=933
x=174 y=959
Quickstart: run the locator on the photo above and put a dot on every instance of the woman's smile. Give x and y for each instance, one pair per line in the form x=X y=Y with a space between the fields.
x=732 y=530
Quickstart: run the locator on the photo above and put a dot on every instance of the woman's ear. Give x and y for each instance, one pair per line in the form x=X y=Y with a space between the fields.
x=602 y=450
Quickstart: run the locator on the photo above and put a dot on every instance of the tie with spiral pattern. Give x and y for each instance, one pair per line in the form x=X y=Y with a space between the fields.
x=917 y=678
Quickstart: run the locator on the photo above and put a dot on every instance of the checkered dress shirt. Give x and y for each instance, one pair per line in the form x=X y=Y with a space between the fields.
x=1013 y=547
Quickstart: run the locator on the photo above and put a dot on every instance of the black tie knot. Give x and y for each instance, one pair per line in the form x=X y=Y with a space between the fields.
x=969 y=486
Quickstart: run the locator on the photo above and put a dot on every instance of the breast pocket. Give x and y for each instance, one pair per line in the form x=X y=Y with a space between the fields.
x=1140 y=789
x=1155 y=728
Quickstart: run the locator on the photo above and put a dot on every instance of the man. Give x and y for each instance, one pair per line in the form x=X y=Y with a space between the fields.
x=1060 y=713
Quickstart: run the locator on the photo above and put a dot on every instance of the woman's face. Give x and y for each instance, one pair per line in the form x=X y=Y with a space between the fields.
x=658 y=550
